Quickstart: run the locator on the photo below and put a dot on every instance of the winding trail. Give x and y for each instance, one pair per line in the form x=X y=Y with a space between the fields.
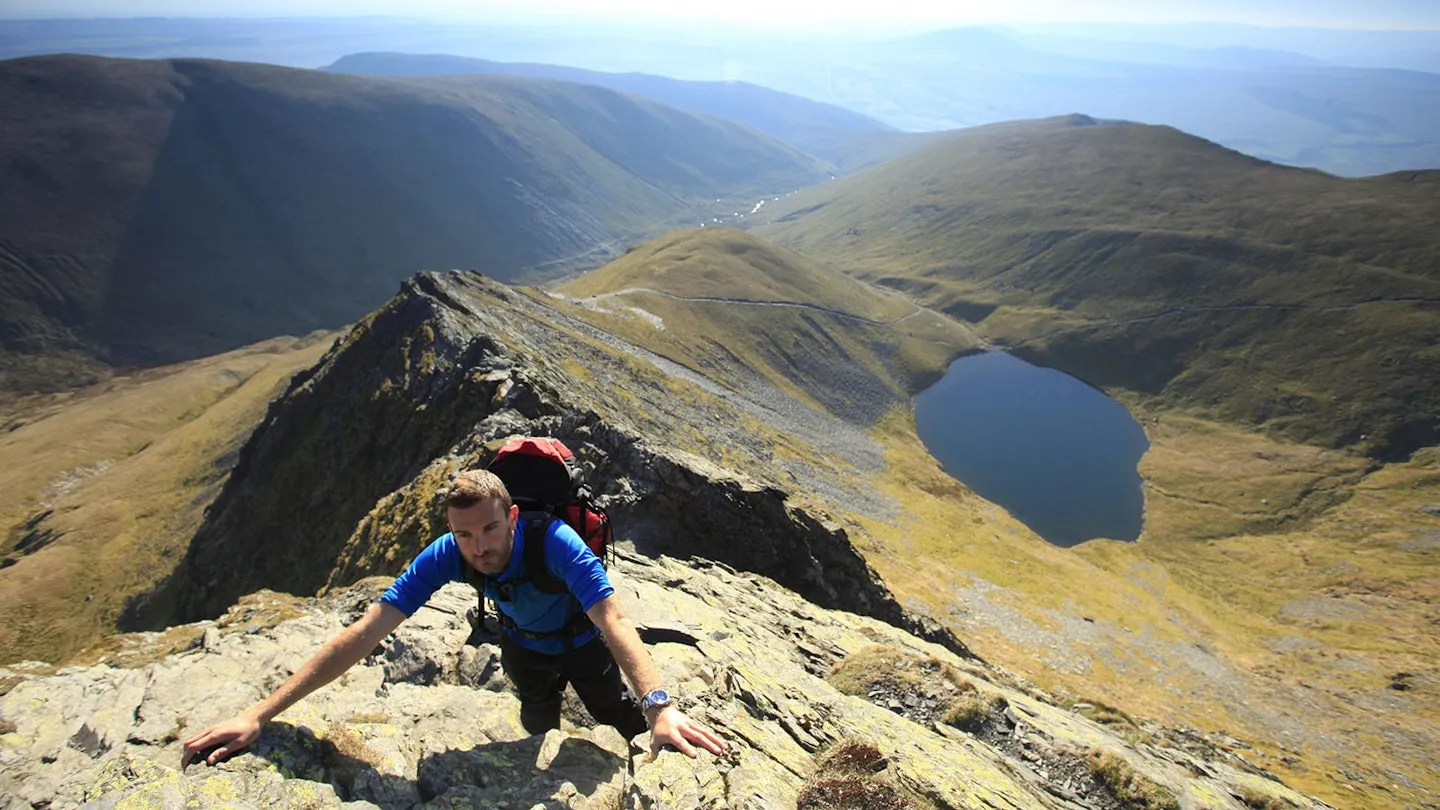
x=1169 y=313
x=990 y=345
x=743 y=302
x=754 y=303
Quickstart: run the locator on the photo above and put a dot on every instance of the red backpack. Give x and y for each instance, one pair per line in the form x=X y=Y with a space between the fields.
x=547 y=482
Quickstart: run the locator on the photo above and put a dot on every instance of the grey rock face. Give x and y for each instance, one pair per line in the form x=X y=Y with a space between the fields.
x=454 y=363
x=745 y=656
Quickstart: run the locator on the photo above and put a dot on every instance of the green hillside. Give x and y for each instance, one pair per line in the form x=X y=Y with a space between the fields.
x=843 y=137
x=153 y=211
x=737 y=308
x=1143 y=259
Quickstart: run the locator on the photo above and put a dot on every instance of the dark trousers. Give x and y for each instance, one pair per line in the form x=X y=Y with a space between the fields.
x=540 y=679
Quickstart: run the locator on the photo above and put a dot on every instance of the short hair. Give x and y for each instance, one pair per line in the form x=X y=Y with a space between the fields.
x=474 y=486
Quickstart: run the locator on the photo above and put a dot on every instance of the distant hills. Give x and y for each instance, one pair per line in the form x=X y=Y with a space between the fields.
x=161 y=210
x=845 y=138
x=1350 y=102
x=1146 y=260
x=1345 y=120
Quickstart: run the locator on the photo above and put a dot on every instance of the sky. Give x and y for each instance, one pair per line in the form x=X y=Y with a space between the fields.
x=792 y=15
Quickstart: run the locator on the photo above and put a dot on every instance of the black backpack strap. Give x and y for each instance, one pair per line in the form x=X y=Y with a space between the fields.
x=537 y=526
x=537 y=573
x=478 y=581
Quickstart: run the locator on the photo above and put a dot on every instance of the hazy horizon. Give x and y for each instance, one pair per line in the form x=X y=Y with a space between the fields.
x=847 y=16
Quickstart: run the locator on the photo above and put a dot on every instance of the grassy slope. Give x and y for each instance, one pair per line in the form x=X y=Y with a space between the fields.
x=125 y=470
x=1036 y=228
x=1284 y=633
x=1214 y=620
x=1325 y=613
x=856 y=367
x=163 y=210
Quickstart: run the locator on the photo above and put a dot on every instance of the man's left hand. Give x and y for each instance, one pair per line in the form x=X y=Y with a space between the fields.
x=672 y=727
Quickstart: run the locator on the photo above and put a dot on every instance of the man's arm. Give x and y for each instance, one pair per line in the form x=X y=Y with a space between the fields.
x=668 y=725
x=330 y=662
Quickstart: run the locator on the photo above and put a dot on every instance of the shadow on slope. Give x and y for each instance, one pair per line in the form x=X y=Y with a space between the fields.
x=847 y=139
x=157 y=211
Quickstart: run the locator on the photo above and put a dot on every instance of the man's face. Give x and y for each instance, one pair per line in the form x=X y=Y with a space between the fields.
x=485 y=534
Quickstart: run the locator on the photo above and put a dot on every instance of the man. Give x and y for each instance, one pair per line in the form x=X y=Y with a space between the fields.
x=542 y=649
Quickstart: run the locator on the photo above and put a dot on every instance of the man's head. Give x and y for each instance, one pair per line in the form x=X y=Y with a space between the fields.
x=482 y=519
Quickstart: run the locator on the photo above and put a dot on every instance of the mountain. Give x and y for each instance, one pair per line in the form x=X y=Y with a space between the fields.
x=1365 y=108
x=847 y=139
x=1146 y=260
x=155 y=211
x=1345 y=120
x=1225 y=57
x=1404 y=47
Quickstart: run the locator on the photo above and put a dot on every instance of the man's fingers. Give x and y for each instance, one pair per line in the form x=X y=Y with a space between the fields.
x=711 y=742
x=676 y=741
x=193 y=746
x=706 y=739
x=217 y=755
x=198 y=741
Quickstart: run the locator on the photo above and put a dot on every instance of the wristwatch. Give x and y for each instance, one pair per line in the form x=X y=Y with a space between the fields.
x=655 y=699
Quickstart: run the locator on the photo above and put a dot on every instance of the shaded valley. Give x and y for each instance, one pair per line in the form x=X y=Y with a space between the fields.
x=843 y=137
x=158 y=211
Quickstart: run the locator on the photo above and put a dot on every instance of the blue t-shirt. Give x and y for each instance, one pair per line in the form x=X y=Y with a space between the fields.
x=567 y=558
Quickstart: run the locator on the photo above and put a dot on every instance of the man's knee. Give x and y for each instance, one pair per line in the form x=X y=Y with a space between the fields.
x=538 y=682
x=538 y=717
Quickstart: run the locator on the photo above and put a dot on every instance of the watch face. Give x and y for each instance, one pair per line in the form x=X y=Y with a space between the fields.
x=658 y=697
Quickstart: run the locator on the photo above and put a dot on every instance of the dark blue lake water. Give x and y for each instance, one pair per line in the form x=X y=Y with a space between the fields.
x=1058 y=454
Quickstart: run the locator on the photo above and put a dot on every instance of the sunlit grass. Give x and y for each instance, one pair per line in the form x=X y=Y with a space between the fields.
x=127 y=470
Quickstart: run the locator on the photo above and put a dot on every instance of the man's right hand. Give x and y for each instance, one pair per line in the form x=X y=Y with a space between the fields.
x=221 y=740
x=339 y=654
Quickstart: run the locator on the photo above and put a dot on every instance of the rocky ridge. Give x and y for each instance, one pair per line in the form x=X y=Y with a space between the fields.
x=427 y=722
x=339 y=480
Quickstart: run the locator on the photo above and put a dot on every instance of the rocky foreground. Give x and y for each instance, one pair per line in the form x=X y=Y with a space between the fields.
x=427 y=721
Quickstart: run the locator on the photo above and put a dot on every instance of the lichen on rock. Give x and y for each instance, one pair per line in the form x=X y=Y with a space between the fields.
x=740 y=650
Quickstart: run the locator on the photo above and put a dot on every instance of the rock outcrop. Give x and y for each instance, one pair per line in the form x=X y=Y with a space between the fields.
x=339 y=481
x=427 y=721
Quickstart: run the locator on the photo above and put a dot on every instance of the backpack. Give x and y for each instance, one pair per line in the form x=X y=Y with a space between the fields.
x=547 y=482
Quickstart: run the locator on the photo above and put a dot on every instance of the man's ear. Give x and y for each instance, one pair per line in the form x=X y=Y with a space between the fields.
x=514 y=512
